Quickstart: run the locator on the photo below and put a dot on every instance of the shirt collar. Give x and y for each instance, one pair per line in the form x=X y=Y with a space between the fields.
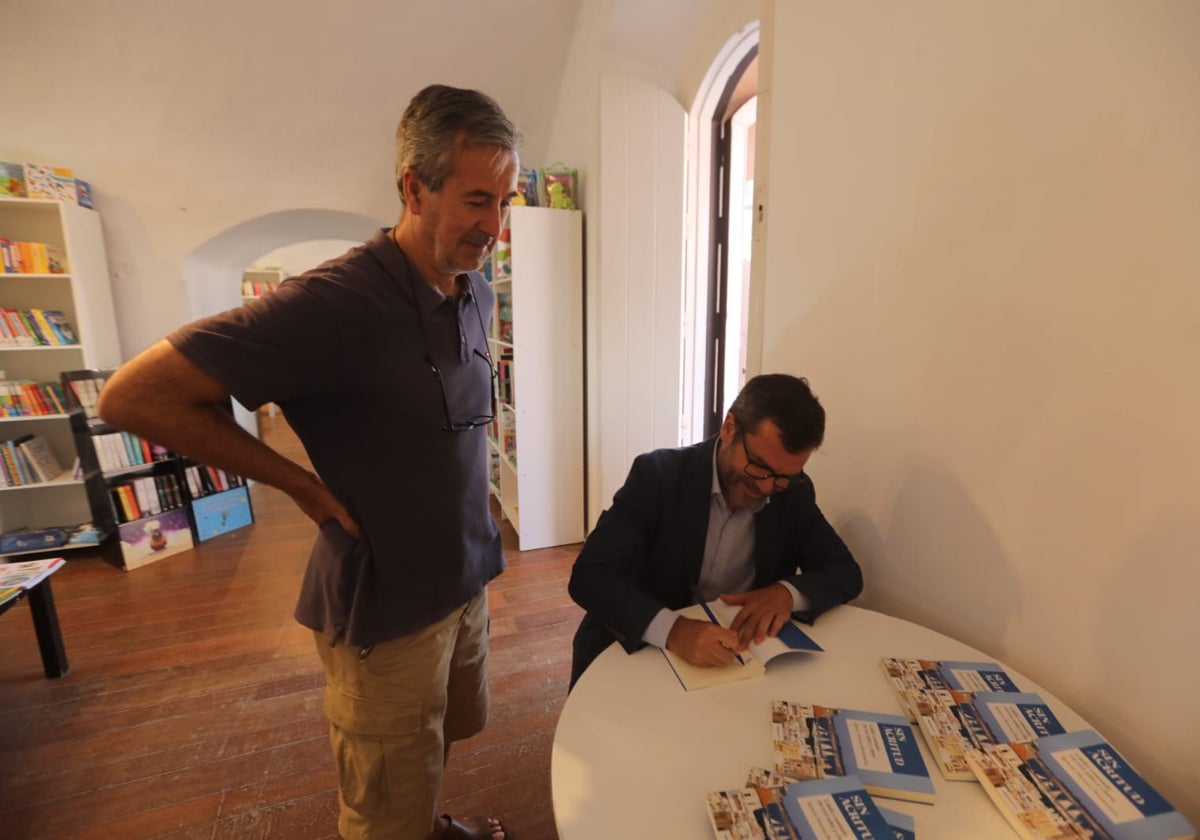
x=393 y=259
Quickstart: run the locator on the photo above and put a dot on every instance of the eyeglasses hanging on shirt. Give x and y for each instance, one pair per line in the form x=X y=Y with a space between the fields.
x=466 y=423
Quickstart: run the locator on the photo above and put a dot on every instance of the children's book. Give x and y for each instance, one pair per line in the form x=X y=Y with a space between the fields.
x=41 y=458
x=834 y=809
x=822 y=742
x=61 y=326
x=28 y=573
x=9 y=593
x=12 y=180
x=1074 y=785
x=751 y=663
x=53 y=182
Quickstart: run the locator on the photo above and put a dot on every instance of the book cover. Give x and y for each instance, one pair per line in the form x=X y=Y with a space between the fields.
x=751 y=663
x=9 y=593
x=731 y=813
x=880 y=749
x=903 y=826
x=12 y=180
x=33 y=539
x=144 y=541
x=29 y=573
x=1074 y=785
x=796 y=753
x=914 y=675
x=56 y=260
x=56 y=183
x=41 y=458
x=61 y=326
x=1015 y=717
x=219 y=513
x=83 y=194
x=834 y=809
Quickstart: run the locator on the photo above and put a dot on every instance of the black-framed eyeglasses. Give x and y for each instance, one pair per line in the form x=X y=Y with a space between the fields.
x=469 y=422
x=760 y=473
x=452 y=425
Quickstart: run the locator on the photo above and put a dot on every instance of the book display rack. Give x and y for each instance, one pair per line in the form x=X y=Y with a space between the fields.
x=57 y=315
x=537 y=344
x=161 y=502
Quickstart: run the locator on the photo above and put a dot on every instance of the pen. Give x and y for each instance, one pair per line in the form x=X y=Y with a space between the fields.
x=713 y=619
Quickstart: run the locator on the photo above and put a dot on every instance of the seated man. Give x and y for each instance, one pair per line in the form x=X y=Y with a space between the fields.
x=733 y=517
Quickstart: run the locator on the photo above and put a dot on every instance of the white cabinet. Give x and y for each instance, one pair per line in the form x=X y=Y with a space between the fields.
x=84 y=296
x=536 y=441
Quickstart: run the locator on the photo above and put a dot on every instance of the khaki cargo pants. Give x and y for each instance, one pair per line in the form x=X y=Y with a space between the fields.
x=393 y=710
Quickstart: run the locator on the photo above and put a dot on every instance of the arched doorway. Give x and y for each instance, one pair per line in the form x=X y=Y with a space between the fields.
x=720 y=216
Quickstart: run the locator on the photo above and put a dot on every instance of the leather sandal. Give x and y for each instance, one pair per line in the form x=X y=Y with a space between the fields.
x=472 y=828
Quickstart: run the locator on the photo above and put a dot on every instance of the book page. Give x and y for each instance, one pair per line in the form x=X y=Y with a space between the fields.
x=693 y=676
x=790 y=639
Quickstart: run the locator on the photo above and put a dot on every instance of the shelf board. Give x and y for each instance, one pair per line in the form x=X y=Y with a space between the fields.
x=63 y=480
x=76 y=347
x=16 y=418
x=55 y=549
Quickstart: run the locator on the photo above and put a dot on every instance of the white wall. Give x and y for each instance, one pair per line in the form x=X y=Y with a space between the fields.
x=192 y=117
x=983 y=251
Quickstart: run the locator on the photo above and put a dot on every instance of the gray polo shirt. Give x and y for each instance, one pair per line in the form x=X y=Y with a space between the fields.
x=343 y=350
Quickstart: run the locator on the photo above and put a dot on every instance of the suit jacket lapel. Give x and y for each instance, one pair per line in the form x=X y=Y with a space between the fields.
x=696 y=501
x=766 y=541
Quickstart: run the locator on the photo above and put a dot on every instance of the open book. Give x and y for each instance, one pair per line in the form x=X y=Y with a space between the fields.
x=752 y=663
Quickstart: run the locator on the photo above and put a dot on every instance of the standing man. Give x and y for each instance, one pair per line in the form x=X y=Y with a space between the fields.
x=379 y=361
x=733 y=517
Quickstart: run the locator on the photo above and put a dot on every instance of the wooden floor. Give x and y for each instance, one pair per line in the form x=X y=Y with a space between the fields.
x=193 y=705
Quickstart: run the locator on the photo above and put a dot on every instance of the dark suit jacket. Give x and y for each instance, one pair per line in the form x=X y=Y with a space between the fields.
x=646 y=550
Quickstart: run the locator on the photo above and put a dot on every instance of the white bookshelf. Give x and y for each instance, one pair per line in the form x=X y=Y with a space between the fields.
x=540 y=486
x=85 y=297
x=259 y=281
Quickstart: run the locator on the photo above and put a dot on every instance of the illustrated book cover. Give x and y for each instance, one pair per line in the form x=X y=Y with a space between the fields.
x=29 y=573
x=220 y=513
x=1074 y=785
x=145 y=540
x=834 y=809
x=812 y=741
x=751 y=663
x=908 y=675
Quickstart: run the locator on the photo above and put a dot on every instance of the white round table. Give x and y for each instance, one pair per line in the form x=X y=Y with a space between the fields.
x=634 y=754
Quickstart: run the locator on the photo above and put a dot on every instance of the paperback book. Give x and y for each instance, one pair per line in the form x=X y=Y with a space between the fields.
x=909 y=675
x=28 y=573
x=819 y=742
x=751 y=663
x=834 y=809
x=953 y=721
x=758 y=810
x=1071 y=786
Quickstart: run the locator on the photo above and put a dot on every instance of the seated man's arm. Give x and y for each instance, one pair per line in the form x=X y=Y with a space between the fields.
x=829 y=575
x=607 y=578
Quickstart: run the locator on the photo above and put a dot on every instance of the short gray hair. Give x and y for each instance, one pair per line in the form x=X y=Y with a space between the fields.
x=434 y=120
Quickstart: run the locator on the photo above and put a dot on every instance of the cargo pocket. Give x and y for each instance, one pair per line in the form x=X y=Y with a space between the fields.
x=377 y=749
